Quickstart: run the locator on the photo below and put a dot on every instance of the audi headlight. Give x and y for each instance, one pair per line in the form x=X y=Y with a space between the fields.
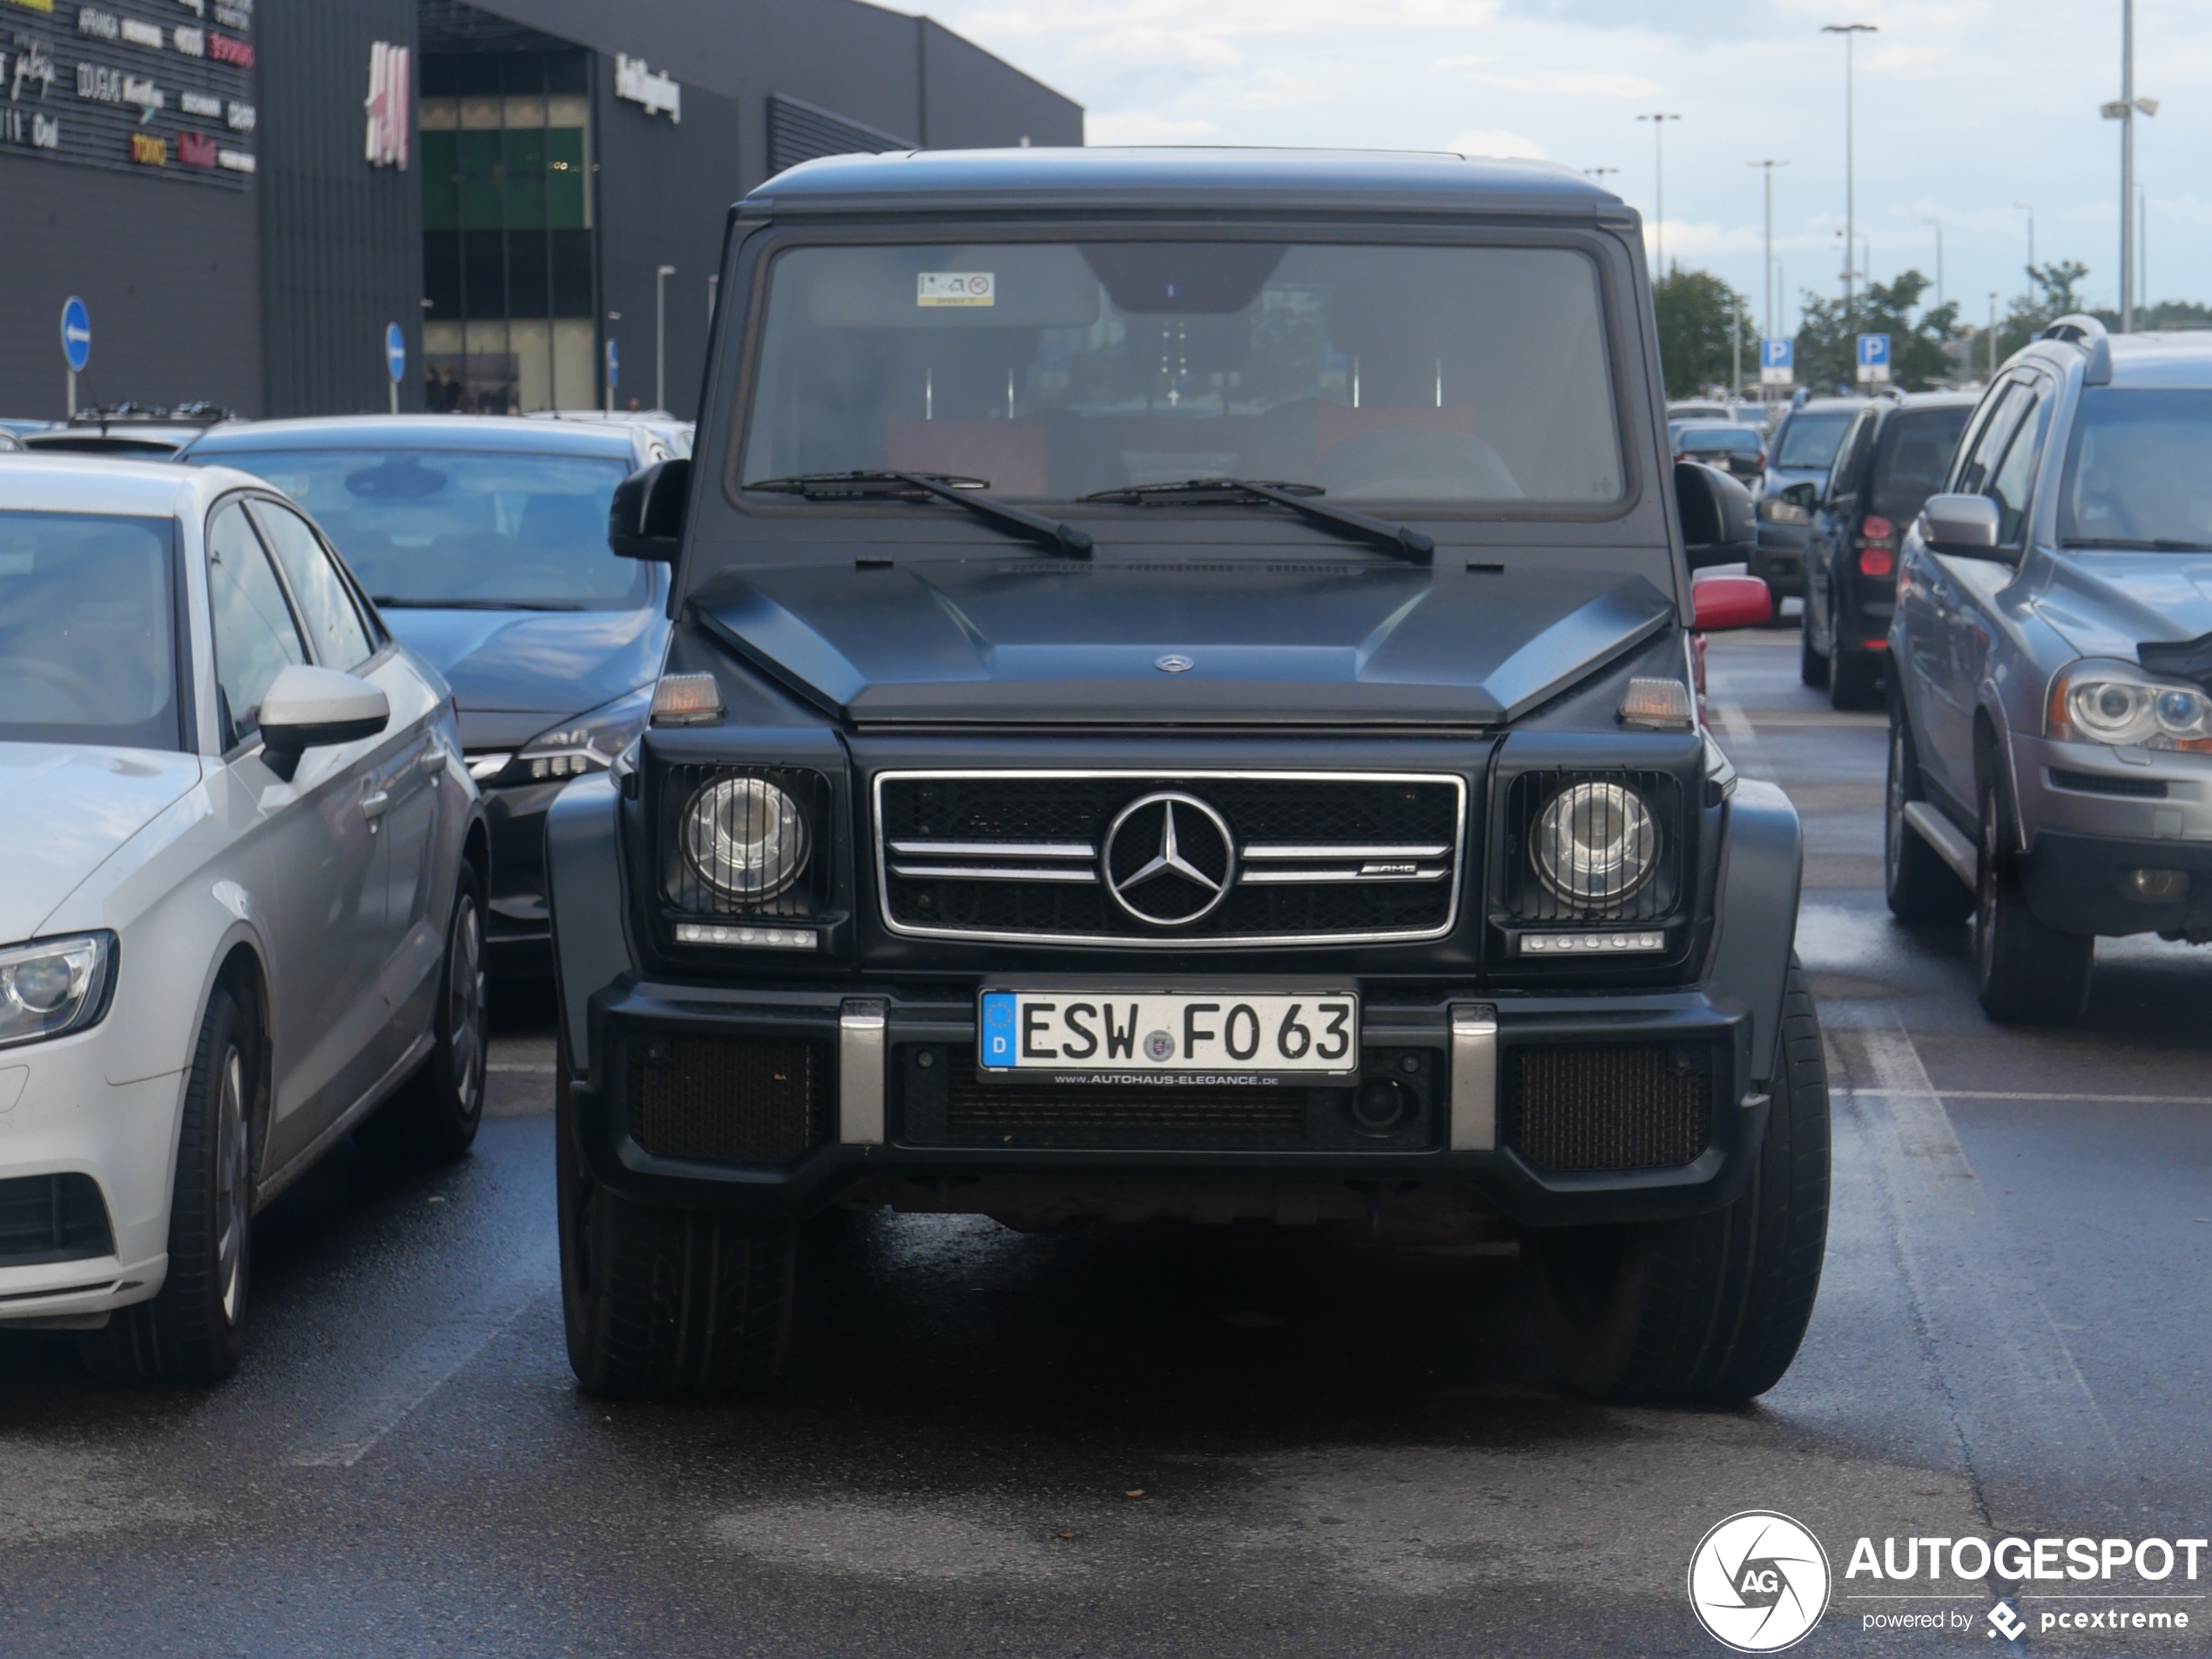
x=2118 y=704
x=745 y=837
x=54 y=987
x=1596 y=843
x=587 y=743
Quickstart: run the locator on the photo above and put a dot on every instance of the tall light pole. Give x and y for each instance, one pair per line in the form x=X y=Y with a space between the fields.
x=661 y=275
x=2124 y=110
x=1658 y=119
x=1850 y=205
x=1767 y=169
x=1938 y=231
x=2025 y=208
x=2142 y=247
x=1993 y=333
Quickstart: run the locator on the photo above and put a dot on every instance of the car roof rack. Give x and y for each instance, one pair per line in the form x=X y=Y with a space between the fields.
x=2079 y=328
x=196 y=413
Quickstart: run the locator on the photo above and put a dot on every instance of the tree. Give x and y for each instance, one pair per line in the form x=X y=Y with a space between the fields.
x=1694 y=310
x=1827 y=348
x=2051 y=294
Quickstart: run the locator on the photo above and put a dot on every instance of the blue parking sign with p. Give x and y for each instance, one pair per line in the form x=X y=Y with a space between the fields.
x=1873 y=358
x=1777 y=361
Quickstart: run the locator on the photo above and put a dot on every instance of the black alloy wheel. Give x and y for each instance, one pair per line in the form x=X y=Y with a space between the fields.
x=1921 y=888
x=2026 y=973
x=434 y=1119
x=189 y=1331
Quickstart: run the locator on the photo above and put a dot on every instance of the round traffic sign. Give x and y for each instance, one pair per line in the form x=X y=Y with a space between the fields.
x=77 y=335
x=395 y=351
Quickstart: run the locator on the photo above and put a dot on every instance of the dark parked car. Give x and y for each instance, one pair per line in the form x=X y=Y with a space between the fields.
x=1894 y=456
x=1739 y=448
x=483 y=541
x=1800 y=451
x=1179 y=707
x=2051 y=735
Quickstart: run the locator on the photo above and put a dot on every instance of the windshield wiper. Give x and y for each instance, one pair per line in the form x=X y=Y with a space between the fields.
x=939 y=486
x=2152 y=545
x=1406 y=544
x=393 y=601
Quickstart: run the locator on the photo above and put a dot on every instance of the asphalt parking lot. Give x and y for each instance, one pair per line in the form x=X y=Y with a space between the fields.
x=1171 y=1440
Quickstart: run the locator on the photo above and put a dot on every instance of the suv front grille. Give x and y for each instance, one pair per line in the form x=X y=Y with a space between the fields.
x=1312 y=858
x=729 y=1100
x=1613 y=1106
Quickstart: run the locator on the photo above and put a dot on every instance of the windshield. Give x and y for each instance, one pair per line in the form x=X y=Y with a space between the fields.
x=2138 y=470
x=467 y=527
x=1809 y=442
x=1446 y=375
x=88 y=630
x=1914 y=458
x=1730 y=440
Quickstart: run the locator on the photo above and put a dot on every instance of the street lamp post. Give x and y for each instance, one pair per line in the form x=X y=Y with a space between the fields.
x=1658 y=119
x=1938 y=231
x=661 y=275
x=2124 y=110
x=1851 y=221
x=1993 y=333
x=1767 y=167
x=2025 y=208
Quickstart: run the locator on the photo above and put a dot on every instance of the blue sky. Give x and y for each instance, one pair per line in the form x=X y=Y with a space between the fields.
x=1965 y=107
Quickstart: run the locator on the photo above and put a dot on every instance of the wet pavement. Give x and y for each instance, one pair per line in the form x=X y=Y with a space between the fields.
x=1182 y=1439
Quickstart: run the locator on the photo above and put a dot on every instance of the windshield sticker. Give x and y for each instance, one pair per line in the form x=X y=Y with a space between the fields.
x=955 y=288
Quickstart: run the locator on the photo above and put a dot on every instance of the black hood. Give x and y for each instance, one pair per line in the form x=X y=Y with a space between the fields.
x=1056 y=642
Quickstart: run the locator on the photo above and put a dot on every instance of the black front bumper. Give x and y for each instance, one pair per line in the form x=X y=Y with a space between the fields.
x=906 y=1125
x=1778 y=558
x=2079 y=883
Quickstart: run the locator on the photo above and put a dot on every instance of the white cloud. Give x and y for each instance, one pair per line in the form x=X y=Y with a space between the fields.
x=1577 y=84
x=1145 y=126
x=1496 y=141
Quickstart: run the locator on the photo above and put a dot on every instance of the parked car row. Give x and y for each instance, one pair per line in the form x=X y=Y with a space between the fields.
x=262 y=841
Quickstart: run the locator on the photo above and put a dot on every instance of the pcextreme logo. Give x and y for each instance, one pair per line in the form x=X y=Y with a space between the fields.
x=1758 y=1582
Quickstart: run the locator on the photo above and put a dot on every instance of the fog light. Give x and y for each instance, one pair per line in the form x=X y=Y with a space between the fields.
x=2158 y=887
x=1378 y=1106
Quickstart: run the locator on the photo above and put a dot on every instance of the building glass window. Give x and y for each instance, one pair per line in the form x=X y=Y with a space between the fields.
x=507 y=242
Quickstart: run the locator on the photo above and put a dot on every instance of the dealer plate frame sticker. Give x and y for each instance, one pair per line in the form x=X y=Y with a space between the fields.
x=1119 y=1036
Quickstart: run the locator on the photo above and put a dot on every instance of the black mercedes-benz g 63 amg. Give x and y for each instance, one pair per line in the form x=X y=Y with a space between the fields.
x=1181 y=705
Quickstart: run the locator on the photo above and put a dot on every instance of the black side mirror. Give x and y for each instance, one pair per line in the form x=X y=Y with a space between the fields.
x=1717 y=525
x=646 y=517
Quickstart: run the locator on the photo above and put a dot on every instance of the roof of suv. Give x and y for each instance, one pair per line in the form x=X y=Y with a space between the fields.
x=2162 y=359
x=1326 y=180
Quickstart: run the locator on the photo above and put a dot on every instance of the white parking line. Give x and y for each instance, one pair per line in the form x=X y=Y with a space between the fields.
x=2020 y=1404
x=456 y=1339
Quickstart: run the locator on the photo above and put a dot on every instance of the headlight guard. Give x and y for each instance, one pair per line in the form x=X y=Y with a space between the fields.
x=754 y=841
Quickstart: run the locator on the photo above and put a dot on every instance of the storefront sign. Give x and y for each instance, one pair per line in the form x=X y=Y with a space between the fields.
x=150 y=94
x=389 y=111
x=659 y=94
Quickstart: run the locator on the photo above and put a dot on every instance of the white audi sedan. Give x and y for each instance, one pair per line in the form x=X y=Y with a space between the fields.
x=242 y=871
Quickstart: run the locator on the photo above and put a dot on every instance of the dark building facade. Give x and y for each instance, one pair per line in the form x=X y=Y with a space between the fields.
x=247 y=193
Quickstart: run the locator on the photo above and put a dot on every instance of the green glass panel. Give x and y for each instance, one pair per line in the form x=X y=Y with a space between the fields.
x=564 y=179
x=441 y=190
x=480 y=174
x=525 y=179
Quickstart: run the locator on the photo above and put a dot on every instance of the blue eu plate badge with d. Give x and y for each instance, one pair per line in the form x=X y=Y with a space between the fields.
x=998 y=1027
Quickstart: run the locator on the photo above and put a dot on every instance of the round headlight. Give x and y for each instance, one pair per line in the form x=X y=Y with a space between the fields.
x=1596 y=843
x=745 y=837
x=44 y=983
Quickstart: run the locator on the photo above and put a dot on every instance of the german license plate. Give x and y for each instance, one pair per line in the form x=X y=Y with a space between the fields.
x=1126 y=1033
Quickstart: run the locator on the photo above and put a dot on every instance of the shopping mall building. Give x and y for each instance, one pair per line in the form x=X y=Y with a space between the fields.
x=247 y=194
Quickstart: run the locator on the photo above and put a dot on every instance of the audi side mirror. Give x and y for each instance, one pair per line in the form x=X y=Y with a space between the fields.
x=646 y=516
x=1716 y=513
x=313 y=708
x=1964 y=525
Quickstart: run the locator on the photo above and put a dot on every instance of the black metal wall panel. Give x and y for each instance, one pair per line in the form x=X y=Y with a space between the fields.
x=664 y=192
x=341 y=240
x=170 y=274
x=797 y=131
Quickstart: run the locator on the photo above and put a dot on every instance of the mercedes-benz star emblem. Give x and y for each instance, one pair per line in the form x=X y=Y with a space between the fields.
x=1174 y=663
x=1169 y=859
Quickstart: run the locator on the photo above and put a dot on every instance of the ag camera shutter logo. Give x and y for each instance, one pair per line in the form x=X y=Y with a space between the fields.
x=1758 y=1582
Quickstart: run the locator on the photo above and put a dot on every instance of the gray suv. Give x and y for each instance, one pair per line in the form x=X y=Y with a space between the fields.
x=2050 y=726
x=1179 y=705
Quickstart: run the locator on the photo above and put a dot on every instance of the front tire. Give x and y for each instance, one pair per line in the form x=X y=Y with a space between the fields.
x=1854 y=679
x=1708 y=1310
x=660 y=1301
x=435 y=1117
x=189 y=1331
x=1812 y=664
x=1921 y=888
x=2026 y=973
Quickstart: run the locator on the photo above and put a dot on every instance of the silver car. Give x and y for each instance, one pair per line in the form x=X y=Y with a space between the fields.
x=2051 y=722
x=242 y=869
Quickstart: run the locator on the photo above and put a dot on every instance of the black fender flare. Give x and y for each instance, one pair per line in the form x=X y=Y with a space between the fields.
x=586 y=896
x=1756 y=919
